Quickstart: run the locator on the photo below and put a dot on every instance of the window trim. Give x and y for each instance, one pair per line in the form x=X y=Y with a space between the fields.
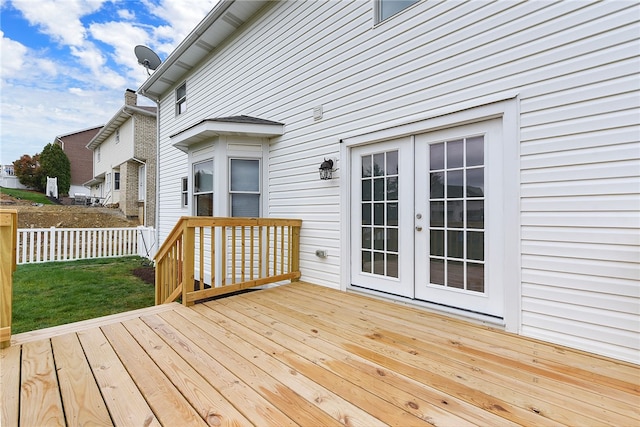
x=116 y=181
x=181 y=101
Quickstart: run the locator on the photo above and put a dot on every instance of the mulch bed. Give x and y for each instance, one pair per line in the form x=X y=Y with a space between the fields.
x=148 y=274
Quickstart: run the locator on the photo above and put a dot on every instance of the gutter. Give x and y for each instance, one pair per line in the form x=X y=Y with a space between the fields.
x=191 y=39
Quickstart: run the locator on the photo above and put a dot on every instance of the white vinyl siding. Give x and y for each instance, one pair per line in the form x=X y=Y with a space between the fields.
x=573 y=67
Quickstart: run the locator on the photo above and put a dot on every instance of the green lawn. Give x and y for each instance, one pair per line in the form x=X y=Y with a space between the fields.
x=57 y=293
x=33 y=196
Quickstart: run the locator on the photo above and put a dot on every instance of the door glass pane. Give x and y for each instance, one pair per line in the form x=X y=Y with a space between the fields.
x=378 y=164
x=475 y=277
x=437 y=242
x=455 y=214
x=455 y=184
x=392 y=163
x=366 y=261
x=455 y=158
x=378 y=213
x=366 y=190
x=378 y=189
x=475 y=182
x=392 y=239
x=392 y=265
x=475 y=214
x=366 y=213
x=436 y=156
x=366 y=237
x=437 y=185
x=392 y=188
x=366 y=166
x=455 y=244
x=455 y=274
x=437 y=214
x=392 y=214
x=378 y=239
x=475 y=151
x=378 y=263
x=436 y=271
x=475 y=245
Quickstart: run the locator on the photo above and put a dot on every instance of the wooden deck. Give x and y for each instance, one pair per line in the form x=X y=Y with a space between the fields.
x=305 y=355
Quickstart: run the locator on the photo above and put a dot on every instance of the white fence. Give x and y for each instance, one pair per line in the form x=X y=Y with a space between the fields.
x=69 y=244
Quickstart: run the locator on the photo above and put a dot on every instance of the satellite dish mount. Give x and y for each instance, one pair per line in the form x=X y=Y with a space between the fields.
x=147 y=58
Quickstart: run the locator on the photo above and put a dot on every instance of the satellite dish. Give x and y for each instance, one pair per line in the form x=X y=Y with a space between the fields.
x=147 y=57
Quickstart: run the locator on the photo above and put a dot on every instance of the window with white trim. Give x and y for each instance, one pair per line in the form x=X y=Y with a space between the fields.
x=184 y=192
x=116 y=180
x=117 y=135
x=244 y=187
x=181 y=99
x=385 y=9
x=203 y=188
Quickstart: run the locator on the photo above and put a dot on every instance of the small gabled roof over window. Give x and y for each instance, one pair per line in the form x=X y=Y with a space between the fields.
x=234 y=125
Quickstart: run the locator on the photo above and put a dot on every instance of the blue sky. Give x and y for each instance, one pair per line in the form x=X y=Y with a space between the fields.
x=65 y=64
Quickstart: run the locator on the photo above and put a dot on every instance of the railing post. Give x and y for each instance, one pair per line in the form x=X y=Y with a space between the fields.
x=8 y=240
x=188 y=271
x=295 y=251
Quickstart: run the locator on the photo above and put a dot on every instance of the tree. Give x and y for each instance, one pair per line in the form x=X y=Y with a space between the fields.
x=55 y=163
x=29 y=172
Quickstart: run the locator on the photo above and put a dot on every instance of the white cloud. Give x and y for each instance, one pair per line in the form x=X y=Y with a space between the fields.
x=59 y=19
x=182 y=16
x=126 y=14
x=13 y=54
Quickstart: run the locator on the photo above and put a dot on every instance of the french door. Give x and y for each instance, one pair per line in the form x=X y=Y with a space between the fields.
x=425 y=217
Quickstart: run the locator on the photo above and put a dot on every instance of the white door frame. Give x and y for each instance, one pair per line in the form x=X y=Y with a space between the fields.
x=508 y=110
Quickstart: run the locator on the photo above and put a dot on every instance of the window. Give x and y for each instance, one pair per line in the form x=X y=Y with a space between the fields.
x=181 y=99
x=116 y=180
x=185 y=192
x=98 y=154
x=385 y=9
x=117 y=135
x=203 y=188
x=244 y=187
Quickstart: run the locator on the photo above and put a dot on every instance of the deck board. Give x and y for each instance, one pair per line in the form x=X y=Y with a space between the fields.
x=305 y=355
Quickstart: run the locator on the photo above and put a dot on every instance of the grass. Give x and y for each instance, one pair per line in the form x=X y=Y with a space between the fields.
x=30 y=195
x=57 y=293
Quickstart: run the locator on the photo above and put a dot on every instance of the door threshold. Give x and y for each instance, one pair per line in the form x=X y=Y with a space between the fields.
x=469 y=316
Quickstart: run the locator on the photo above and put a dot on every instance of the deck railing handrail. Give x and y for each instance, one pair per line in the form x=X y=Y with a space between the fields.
x=8 y=240
x=204 y=257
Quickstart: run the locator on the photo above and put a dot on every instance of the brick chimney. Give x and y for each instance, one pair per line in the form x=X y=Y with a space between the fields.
x=130 y=97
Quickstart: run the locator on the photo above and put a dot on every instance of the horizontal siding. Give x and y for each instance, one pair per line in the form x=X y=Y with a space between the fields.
x=574 y=67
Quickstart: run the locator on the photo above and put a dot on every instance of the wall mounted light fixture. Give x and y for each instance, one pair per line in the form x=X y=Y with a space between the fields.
x=326 y=169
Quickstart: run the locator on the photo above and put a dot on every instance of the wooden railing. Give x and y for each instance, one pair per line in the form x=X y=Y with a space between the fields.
x=204 y=257
x=8 y=239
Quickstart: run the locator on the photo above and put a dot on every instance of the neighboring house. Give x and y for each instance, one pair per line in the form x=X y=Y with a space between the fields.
x=74 y=145
x=124 y=161
x=8 y=178
x=486 y=154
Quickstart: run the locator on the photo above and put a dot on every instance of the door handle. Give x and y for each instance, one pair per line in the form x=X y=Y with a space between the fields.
x=418 y=228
